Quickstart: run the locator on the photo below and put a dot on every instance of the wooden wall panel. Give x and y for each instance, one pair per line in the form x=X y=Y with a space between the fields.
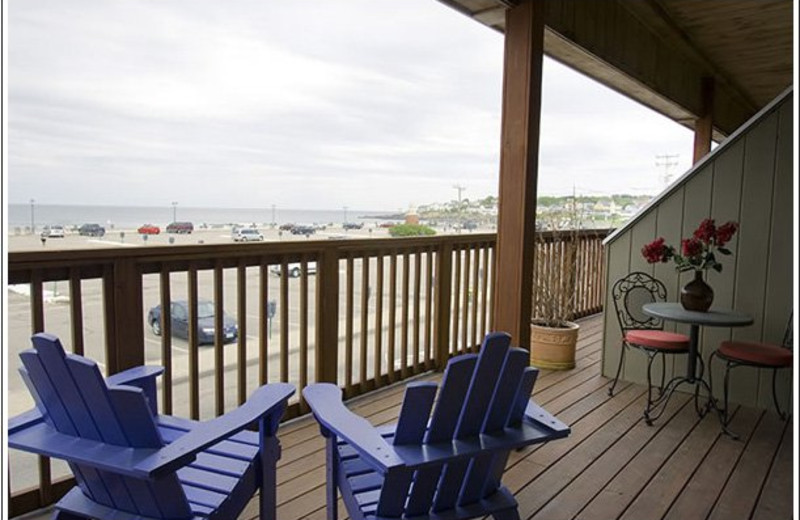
x=751 y=251
x=779 y=286
x=696 y=208
x=748 y=179
x=669 y=226
x=725 y=204
x=636 y=362
x=618 y=255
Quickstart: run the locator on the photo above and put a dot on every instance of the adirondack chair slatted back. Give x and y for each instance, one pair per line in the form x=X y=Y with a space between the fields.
x=479 y=394
x=73 y=396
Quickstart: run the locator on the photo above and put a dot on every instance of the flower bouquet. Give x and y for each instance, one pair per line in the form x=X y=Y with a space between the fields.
x=697 y=253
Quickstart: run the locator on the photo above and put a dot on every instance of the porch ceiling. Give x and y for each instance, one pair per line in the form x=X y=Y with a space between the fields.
x=658 y=51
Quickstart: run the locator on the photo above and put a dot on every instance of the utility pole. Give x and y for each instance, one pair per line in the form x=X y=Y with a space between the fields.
x=667 y=161
x=174 y=211
x=459 y=188
x=33 y=222
x=273 y=215
x=345 y=213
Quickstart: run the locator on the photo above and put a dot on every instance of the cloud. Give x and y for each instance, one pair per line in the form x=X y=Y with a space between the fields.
x=251 y=103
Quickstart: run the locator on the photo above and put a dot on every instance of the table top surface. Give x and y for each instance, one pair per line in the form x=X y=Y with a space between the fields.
x=715 y=317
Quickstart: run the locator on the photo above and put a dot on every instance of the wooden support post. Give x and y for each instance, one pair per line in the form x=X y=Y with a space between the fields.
x=124 y=311
x=327 y=341
x=441 y=324
x=704 y=126
x=519 y=153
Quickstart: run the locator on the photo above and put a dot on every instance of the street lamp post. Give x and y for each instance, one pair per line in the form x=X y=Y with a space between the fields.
x=345 y=213
x=174 y=211
x=273 y=215
x=33 y=222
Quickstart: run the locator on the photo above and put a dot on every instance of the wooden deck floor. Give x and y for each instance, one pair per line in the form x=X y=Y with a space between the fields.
x=612 y=466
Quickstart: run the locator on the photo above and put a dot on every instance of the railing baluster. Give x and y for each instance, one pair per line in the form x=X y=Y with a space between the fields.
x=76 y=310
x=303 y=368
x=417 y=317
x=194 y=350
x=456 y=303
x=484 y=289
x=219 y=341
x=404 y=321
x=284 y=353
x=465 y=344
x=392 y=315
x=348 y=326
x=264 y=323
x=241 y=342
x=475 y=341
x=364 y=321
x=378 y=355
x=166 y=338
x=428 y=308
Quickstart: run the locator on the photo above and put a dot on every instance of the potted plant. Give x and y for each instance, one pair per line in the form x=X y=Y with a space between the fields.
x=553 y=335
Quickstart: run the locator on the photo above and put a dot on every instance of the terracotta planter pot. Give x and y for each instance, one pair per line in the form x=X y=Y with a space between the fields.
x=554 y=348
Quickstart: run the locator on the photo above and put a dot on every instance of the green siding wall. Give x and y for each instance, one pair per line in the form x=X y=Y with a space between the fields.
x=748 y=178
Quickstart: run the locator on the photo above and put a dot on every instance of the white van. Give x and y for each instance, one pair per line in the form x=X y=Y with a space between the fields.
x=247 y=235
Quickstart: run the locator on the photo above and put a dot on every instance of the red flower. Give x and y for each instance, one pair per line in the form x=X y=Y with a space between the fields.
x=656 y=251
x=706 y=232
x=691 y=247
x=725 y=232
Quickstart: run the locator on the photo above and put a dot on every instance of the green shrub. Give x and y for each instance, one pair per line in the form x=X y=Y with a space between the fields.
x=410 y=230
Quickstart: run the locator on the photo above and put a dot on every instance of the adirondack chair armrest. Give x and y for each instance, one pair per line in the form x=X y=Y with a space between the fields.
x=268 y=402
x=143 y=377
x=538 y=426
x=24 y=420
x=538 y=415
x=335 y=419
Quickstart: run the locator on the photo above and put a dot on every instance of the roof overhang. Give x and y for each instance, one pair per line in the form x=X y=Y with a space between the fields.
x=658 y=52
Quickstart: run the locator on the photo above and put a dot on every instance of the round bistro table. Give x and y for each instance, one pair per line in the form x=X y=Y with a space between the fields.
x=715 y=317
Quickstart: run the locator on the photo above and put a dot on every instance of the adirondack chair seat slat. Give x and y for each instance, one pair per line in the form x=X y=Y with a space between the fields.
x=133 y=464
x=207 y=479
x=448 y=466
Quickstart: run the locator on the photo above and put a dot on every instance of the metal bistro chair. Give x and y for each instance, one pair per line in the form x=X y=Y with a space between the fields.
x=644 y=332
x=753 y=354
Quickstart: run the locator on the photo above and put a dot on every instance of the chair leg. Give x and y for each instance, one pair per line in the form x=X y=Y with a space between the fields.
x=783 y=415
x=650 y=401
x=619 y=369
x=64 y=515
x=508 y=514
x=332 y=470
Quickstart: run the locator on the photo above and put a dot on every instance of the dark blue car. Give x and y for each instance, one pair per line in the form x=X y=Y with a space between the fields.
x=205 y=322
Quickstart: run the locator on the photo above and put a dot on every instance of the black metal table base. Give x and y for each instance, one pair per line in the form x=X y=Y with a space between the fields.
x=656 y=407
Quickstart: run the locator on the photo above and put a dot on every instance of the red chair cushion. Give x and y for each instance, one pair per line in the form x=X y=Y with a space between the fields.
x=763 y=354
x=658 y=339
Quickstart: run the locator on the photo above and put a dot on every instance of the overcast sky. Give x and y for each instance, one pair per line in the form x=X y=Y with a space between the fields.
x=369 y=104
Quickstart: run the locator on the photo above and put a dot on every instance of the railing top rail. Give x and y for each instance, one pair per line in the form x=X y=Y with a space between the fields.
x=55 y=263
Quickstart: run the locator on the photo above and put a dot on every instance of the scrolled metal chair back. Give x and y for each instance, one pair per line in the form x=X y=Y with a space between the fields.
x=630 y=293
x=788 y=335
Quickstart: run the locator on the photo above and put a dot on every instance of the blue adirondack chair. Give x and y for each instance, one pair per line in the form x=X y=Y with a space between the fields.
x=132 y=463
x=446 y=467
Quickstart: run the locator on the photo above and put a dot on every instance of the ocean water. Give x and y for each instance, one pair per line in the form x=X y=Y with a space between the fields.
x=130 y=217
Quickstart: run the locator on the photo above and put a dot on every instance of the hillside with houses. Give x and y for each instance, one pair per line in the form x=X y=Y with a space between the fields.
x=585 y=212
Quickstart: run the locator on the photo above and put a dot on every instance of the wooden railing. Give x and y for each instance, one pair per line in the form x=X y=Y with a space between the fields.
x=361 y=313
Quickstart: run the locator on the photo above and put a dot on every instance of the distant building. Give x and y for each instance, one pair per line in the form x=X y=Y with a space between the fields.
x=412 y=217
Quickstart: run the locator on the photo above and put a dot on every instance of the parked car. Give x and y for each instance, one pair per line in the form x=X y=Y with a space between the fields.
x=388 y=224
x=353 y=225
x=149 y=229
x=470 y=225
x=295 y=269
x=205 y=322
x=303 y=230
x=91 y=230
x=286 y=227
x=53 y=232
x=180 y=227
x=247 y=235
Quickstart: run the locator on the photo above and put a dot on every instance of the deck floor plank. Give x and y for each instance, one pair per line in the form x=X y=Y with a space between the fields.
x=612 y=466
